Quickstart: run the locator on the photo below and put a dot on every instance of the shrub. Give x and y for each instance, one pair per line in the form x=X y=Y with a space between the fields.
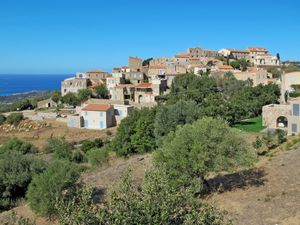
x=281 y=136
x=2 y=119
x=15 y=118
x=16 y=172
x=15 y=144
x=47 y=187
x=87 y=144
x=60 y=147
x=156 y=203
x=97 y=156
x=78 y=156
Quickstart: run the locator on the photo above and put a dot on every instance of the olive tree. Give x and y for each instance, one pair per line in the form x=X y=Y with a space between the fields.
x=194 y=150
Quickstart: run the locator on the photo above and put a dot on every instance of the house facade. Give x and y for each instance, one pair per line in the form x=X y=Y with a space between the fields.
x=285 y=116
x=98 y=116
x=73 y=85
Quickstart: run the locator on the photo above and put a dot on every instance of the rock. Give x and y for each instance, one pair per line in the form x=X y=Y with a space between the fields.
x=140 y=159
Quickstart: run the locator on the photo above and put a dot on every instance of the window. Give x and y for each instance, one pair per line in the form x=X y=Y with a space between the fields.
x=101 y=124
x=85 y=113
x=101 y=114
x=86 y=123
x=120 y=112
x=296 y=110
x=294 y=128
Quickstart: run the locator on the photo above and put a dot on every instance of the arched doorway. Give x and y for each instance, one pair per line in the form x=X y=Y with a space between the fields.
x=141 y=98
x=282 y=122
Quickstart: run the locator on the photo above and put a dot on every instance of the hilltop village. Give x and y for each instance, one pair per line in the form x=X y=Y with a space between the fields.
x=142 y=82
x=197 y=133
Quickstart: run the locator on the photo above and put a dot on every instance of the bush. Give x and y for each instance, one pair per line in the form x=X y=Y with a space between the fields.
x=156 y=203
x=15 y=144
x=97 y=156
x=2 y=119
x=15 y=118
x=87 y=144
x=16 y=172
x=78 y=156
x=60 y=147
x=47 y=187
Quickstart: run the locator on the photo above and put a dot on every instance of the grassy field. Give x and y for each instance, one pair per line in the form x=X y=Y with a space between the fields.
x=250 y=125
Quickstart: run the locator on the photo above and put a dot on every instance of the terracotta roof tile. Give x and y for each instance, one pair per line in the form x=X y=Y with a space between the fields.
x=97 y=107
x=144 y=85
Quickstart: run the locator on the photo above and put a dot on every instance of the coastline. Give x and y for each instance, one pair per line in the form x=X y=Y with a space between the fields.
x=8 y=99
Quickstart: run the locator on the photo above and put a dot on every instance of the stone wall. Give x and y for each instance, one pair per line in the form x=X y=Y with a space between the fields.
x=272 y=112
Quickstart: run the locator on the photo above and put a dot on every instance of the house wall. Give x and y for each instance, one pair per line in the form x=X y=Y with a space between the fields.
x=75 y=121
x=270 y=114
x=290 y=79
x=98 y=120
x=73 y=85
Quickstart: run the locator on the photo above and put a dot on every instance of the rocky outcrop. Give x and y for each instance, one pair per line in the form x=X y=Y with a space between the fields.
x=24 y=126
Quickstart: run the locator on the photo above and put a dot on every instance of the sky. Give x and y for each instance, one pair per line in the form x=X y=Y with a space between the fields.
x=65 y=36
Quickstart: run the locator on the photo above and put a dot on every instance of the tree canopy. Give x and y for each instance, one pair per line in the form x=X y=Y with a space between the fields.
x=135 y=133
x=194 y=150
x=49 y=186
x=16 y=172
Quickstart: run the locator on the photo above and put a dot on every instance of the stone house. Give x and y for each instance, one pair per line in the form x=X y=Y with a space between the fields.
x=239 y=54
x=123 y=92
x=135 y=77
x=157 y=70
x=199 y=53
x=288 y=80
x=144 y=93
x=93 y=74
x=257 y=51
x=285 y=116
x=47 y=103
x=265 y=60
x=258 y=76
x=135 y=64
x=73 y=85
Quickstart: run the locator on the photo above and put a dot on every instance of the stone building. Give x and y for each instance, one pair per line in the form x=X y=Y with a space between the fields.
x=73 y=85
x=285 y=116
x=47 y=103
x=135 y=64
x=258 y=76
x=199 y=53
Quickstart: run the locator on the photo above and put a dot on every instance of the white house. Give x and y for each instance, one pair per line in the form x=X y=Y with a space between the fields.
x=98 y=116
x=225 y=51
x=122 y=111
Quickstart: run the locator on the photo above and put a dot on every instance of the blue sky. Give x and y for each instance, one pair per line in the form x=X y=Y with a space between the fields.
x=64 y=36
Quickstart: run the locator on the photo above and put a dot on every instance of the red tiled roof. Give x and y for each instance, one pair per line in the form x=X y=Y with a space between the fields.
x=144 y=85
x=240 y=51
x=257 y=49
x=97 y=107
x=225 y=67
x=182 y=55
x=124 y=85
x=95 y=71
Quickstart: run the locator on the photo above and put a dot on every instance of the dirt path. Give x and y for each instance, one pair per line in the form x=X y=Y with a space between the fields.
x=267 y=195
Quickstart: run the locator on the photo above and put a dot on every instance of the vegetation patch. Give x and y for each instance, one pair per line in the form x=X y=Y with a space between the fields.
x=250 y=125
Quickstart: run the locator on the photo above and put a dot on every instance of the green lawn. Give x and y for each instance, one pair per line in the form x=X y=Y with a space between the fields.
x=250 y=125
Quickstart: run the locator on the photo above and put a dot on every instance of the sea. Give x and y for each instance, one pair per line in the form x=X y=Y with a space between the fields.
x=23 y=83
